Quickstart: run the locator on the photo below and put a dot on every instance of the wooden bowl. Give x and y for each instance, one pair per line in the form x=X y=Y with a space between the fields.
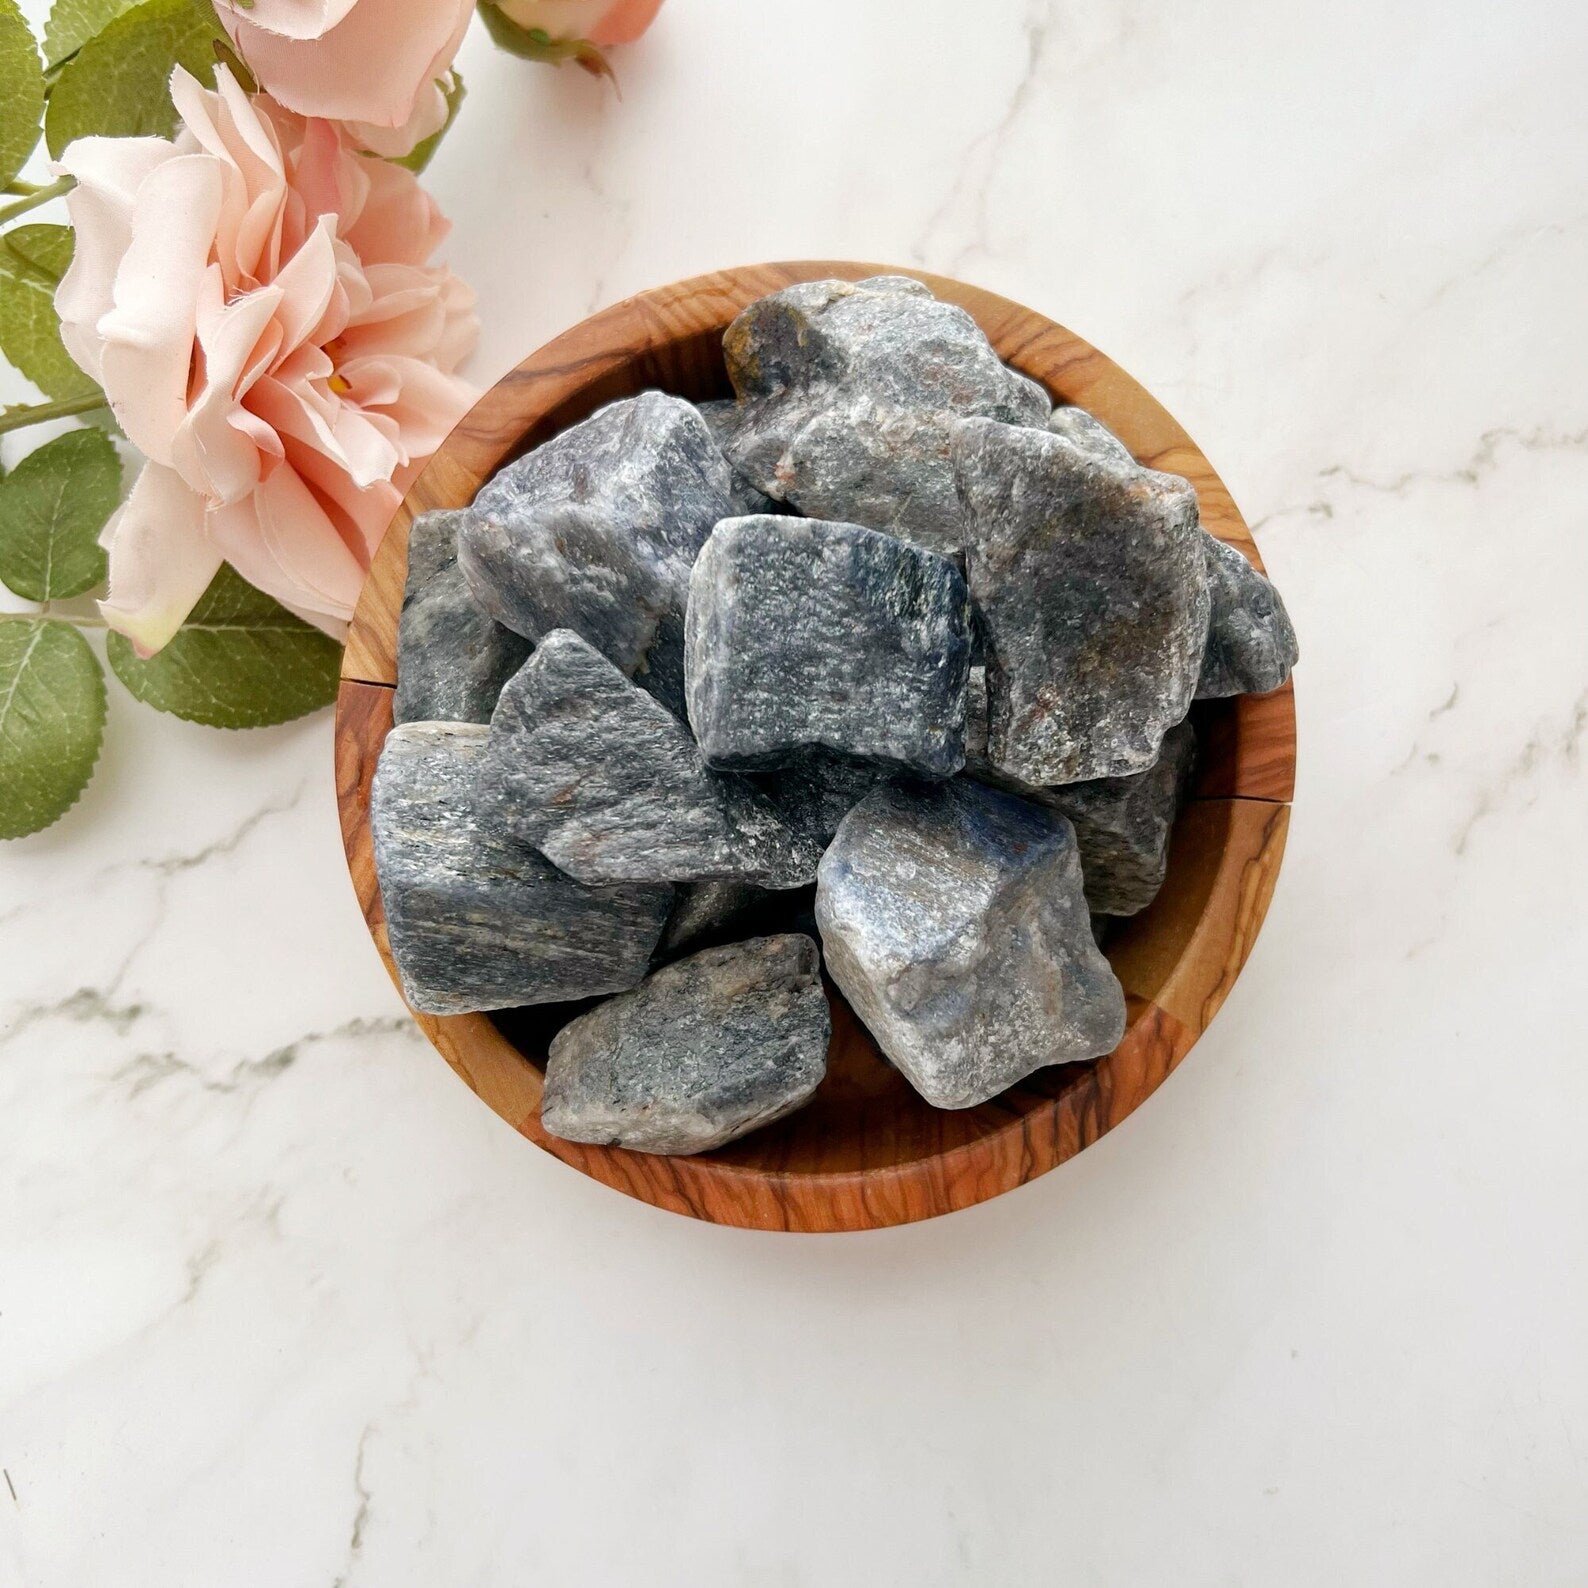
x=867 y=1151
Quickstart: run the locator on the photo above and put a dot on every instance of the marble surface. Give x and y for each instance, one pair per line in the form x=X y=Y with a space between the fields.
x=282 y=1304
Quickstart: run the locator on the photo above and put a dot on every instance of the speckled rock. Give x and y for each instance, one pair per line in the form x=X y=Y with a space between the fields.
x=806 y=634
x=596 y=531
x=711 y=912
x=1090 y=435
x=1251 y=644
x=608 y=784
x=952 y=916
x=452 y=659
x=721 y=415
x=1091 y=585
x=815 y=791
x=475 y=920
x=700 y=1053
x=1122 y=825
x=848 y=392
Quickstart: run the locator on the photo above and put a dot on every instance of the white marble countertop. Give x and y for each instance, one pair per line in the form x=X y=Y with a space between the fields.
x=281 y=1303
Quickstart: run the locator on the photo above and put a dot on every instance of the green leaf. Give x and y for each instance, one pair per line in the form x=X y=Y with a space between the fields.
x=52 y=720
x=32 y=261
x=53 y=505
x=116 y=85
x=21 y=90
x=73 y=23
x=418 y=157
x=240 y=661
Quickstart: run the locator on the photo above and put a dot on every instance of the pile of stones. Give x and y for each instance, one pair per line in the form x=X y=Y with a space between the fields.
x=888 y=652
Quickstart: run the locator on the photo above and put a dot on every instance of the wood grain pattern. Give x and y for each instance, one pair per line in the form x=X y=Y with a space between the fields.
x=867 y=1151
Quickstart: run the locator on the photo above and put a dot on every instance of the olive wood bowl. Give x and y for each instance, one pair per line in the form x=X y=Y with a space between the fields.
x=866 y=1151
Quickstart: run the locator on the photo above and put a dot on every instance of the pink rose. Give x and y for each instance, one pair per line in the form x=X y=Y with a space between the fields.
x=375 y=64
x=253 y=297
x=599 y=21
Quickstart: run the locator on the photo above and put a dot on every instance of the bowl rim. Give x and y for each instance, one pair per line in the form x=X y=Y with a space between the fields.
x=1177 y=968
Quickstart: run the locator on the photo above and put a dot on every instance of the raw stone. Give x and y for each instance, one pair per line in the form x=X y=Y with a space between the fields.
x=1091 y=435
x=816 y=790
x=807 y=634
x=952 y=917
x=475 y=920
x=713 y=911
x=452 y=659
x=848 y=396
x=1091 y=585
x=608 y=785
x=700 y=1053
x=1122 y=824
x=596 y=531
x=722 y=415
x=1251 y=643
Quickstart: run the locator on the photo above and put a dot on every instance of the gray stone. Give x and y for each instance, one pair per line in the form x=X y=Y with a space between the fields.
x=1091 y=585
x=475 y=920
x=1088 y=434
x=1251 y=643
x=707 y=911
x=596 y=531
x=1122 y=825
x=700 y=1053
x=804 y=634
x=816 y=790
x=608 y=784
x=953 y=919
x=452 y=659
x=976 y=712
x=722 y=416
x=848 y=392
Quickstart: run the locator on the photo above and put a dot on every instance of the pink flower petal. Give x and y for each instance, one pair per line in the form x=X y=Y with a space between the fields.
x=370 y=66
x=625 y=22
x=161 y=560
x=109 y=173
x=293 y=19
x=601 y=21
x=280 y=541
x=210 y=453
x=148 y=334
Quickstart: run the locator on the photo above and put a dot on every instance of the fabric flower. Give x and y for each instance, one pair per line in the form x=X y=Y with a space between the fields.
x=600 y=21
x=376 y=64
x=254 y=298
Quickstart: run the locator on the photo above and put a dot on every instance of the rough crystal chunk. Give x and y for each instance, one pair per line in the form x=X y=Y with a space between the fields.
x=848 y=393
x=1089 y=434
x=713 y=911
x=953 y=919
x=815 y=791
x=475 y=920
x=1251 y=643
x=1091 y=585
x=722 y=416
x=700 y=1053
x=452 y=659
x=596 y=531
x=803 y=634
x=608 y=785
x=1122 y=824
